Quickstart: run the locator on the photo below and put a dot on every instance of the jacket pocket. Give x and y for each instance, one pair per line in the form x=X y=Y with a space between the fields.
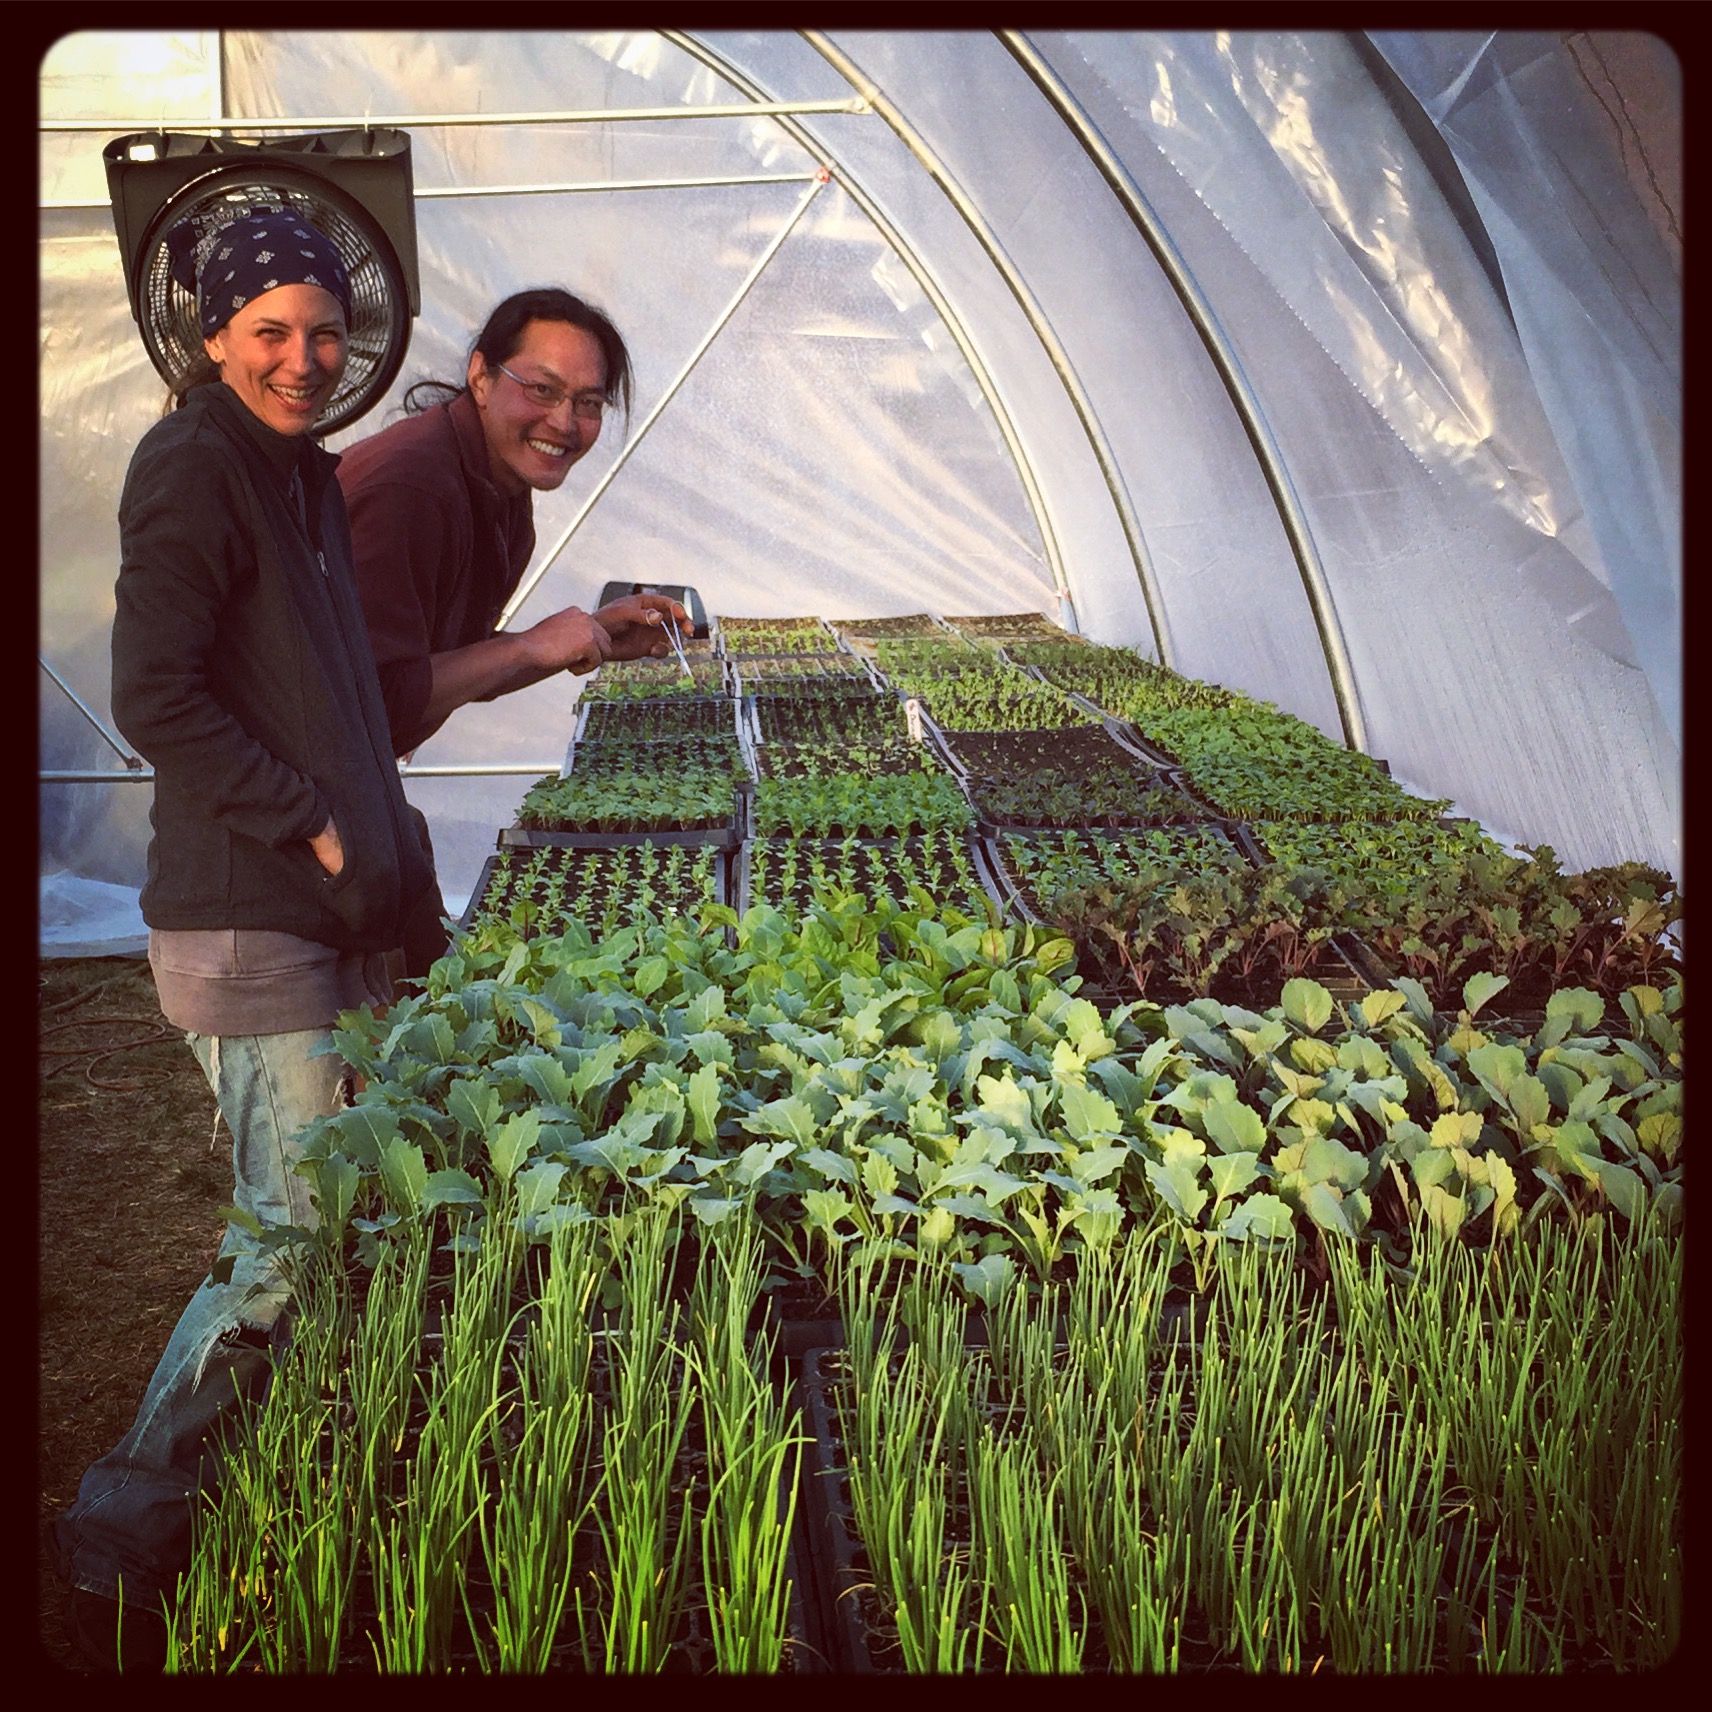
x=364 y=894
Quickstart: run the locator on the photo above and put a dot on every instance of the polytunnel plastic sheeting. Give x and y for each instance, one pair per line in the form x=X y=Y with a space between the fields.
x=843 y=446
x=1591 y=275
x=1492 y=664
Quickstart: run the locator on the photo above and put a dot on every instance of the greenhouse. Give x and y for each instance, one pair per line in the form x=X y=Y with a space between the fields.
x=1086 y=1074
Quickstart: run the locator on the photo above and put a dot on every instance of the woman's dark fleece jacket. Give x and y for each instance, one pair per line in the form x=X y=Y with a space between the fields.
x=242 y=672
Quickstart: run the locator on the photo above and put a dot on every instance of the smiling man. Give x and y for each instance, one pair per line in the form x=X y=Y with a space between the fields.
x=442 y=516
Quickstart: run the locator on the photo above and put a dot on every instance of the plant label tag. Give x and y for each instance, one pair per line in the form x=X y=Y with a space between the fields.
x=912 y=713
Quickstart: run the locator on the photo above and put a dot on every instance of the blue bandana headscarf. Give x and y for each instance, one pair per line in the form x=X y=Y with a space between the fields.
x=229 y=267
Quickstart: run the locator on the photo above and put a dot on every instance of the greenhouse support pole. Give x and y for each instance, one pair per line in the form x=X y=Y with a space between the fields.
x=1229 y=367
x=227 y=122
x=131 y=761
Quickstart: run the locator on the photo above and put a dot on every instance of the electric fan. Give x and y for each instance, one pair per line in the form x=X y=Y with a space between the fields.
x=156 y=179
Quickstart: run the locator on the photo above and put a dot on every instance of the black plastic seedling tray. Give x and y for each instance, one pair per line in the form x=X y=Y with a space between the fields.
x=876 y=858
x=727 y=835
x=573 y=858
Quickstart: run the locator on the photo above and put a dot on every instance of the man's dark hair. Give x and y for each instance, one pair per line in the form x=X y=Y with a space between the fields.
x=499 y=338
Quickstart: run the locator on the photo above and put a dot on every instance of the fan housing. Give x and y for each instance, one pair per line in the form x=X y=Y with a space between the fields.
x=354 y=185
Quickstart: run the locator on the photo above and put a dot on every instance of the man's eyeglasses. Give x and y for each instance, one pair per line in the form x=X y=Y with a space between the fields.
x=586 y=405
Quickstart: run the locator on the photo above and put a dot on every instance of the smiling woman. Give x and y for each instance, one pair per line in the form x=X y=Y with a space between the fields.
x=284 y=866
x=284 y=354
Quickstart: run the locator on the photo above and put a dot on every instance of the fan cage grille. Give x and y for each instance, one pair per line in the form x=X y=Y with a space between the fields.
x=379 y=329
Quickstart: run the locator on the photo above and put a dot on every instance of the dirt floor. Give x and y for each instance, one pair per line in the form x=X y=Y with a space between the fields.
x=131 y=1176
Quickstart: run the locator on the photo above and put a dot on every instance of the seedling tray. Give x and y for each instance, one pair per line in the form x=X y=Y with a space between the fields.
x=725 y=836
x=647 y=718
x=649 y=679
x=793 y=719
x=828 y=1527
x=1018 y=893
x=782 y=760
x=872 y=866
x=1007 y=624
x=738 y=635
x=586 y=876
x=809 y=686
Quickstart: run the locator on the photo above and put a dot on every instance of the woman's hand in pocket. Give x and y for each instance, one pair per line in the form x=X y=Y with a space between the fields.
x=329 y=851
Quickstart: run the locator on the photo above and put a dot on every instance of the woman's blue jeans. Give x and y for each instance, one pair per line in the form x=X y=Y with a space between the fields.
x=131 y=1521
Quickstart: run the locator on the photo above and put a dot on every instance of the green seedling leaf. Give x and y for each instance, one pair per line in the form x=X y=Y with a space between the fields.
x=1377 y=1008
x=1324 y=1205
x=1589 y=1101
x=544 y=1026
x=711 y=1046
x=757 y=1159
x=1579 y=1009
x=1307 y=1004
x=829 y=1164
x=1088 y=1116
x=538 y=1187
x=1432 y=1166
x=1498 y=1068
x=997 y=1186
x=334 y=1181
x=1411 y=1057
x=1096 y=1163
x=452 y=1188
x=791 y=1117
x=1327 y=1161
x=1260 y=1218
x=363 y=1130
x=1363 y=1057
x=244 y=1220
x=712 y=1209
x=403 y=1174
x=512 y=1141
x=1624 y=1188
x=1233 y=1127
x=1562 y=1084
x=1232 y=1173
x=1315 y=1057
x=1405 y=1138
x=649 y=976
x=1481 y=987
x=1415 y=997
x=473 y=1104
x=825 y=1207
x=595 y=1069
x=1005 y=1105
x=1530 y=1102
x=704 y=1099
x=704 y=1008
x=1457 y=1129
x=879 y=1174
x=1263 y=1041
x=1660 y=1134
x=1444 y=1211
x=1668 y=1206
x=989 y=1280
x=937 y=1228
x=939 y=1035
x=1177 y=1183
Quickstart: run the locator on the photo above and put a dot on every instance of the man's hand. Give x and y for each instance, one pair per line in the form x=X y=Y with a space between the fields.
x=636 y=625
x=329 y=850
x=569 y=641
